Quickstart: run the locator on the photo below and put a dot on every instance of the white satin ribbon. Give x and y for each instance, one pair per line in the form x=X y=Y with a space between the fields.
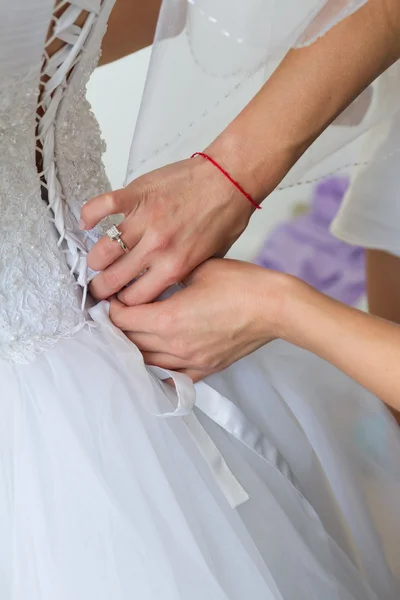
x=184 y=397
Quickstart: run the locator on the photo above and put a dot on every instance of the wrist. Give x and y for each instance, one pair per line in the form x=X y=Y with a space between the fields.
x=222 y=192
x=309 y=319
x=295 y=305
x=274 y=305
x=255 y=161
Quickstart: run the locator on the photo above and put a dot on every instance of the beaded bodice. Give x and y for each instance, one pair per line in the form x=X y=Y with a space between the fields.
x=42 y=251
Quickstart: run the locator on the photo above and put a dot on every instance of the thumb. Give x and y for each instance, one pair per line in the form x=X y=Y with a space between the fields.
x=141 y=319
x=115 y=203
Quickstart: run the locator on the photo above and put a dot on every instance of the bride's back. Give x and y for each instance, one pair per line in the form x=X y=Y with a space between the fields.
x=50 y=163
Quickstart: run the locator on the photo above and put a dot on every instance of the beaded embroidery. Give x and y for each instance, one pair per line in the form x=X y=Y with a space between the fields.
x=39 y=294
x=38 y=302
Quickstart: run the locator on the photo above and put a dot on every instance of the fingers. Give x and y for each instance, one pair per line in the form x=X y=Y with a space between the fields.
x=117 y=275
x=138 y=319
x=134 y=321
x=195 y=375
x=106 y=251
x=146 y=342
x=144 y=327
x=165 y=361
x=147 y=288
x=115 y=203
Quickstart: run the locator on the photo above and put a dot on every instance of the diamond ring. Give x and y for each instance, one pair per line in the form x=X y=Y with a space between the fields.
x=116 y=236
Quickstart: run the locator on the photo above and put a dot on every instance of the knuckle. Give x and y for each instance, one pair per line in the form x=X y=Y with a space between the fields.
x=106 y=251
x=205 y=362
x=112 y=280
x=100 y=256
x=130 y=296
x=157 y=241
x=114 y=202
x=149 y=188
x=174 y=270
x=149 y=200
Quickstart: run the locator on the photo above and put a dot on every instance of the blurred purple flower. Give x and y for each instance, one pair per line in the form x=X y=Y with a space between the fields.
x=304 y=247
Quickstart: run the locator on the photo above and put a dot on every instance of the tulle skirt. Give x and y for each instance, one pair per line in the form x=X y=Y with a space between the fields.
x=103 y=496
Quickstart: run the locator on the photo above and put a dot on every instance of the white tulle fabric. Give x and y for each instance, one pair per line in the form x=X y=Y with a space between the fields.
x=210 y=58
x=276 y=480
x=101 y=499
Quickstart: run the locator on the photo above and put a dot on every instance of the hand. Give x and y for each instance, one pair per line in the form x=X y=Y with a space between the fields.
x=175 y=218
x=228 y=310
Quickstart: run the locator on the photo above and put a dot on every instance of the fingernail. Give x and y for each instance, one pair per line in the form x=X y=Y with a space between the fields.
x=82 y=224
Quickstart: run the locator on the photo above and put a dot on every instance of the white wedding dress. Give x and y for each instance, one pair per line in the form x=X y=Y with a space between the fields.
x=283 y=482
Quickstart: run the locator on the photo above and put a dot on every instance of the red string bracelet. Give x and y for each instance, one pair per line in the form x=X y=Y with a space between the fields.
x=235 y=183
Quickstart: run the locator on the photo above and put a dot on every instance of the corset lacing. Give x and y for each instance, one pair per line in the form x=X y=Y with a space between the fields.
x=55 y=73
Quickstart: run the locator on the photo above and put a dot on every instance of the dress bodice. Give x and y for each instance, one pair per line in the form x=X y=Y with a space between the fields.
x=42 y=251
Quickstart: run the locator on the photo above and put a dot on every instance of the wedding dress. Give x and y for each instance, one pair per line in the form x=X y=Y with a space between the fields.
x=278 y=479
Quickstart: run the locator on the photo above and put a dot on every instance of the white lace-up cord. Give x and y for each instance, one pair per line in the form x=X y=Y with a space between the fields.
x=54 y=79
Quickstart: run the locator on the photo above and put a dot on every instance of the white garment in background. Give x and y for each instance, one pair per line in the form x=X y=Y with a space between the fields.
x=200 y=79
x=370 y=213
x=282 y=483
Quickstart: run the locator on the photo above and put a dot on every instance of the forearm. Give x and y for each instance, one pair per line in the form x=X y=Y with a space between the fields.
x=364 y=347
x=310 y=88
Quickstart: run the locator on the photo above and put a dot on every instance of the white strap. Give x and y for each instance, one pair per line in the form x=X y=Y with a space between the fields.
x=185 y=396
x=184 y=391
x=229 y=416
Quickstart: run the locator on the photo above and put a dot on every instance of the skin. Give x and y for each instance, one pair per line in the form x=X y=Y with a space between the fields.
x=166 y=239
x=169 y=235
x=224 y=319
x=131 y=27
x=383 y=287
x=230 y=308
x=383 y=282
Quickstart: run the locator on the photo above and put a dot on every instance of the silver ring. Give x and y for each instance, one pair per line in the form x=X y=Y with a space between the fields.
x=115 y=236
